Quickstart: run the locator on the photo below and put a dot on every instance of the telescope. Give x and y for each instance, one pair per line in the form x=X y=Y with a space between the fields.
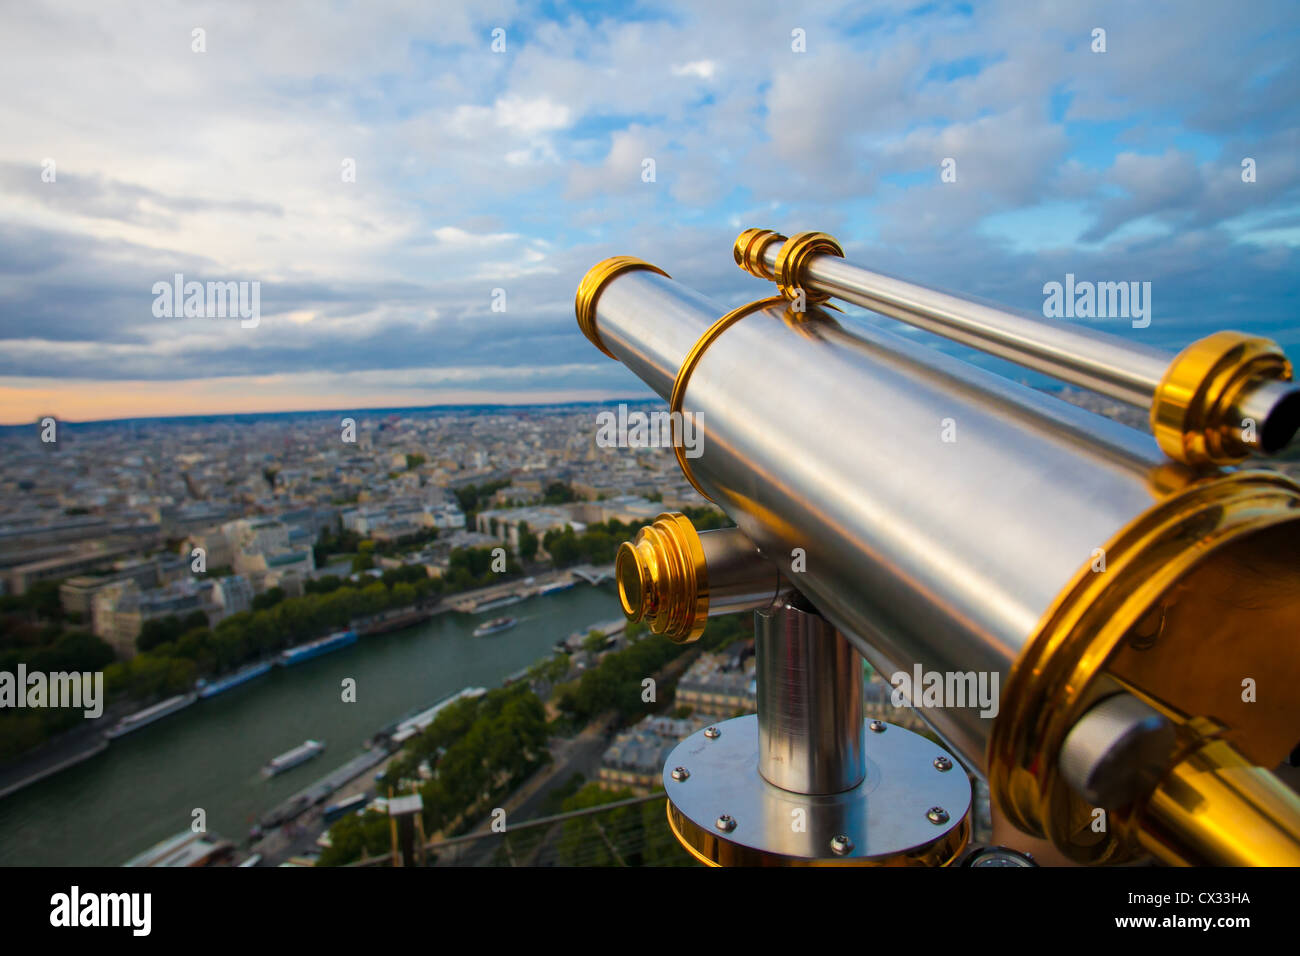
x=1099 y=621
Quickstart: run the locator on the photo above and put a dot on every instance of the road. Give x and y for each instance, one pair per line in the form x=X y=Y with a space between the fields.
x=580 y=754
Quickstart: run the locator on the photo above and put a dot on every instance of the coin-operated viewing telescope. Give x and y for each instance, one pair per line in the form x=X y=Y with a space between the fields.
x=1133 y=600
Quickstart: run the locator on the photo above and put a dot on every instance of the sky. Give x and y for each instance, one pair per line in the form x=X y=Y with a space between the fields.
x=128 y=155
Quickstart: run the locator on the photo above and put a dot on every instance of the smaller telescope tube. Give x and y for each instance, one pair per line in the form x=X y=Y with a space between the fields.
x=1234 y=388
x=809 y=703
x=675 y=578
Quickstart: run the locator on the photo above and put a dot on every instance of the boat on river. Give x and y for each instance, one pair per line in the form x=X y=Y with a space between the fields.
x=494 y=626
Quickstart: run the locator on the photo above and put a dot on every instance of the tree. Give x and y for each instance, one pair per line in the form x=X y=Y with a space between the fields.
x=706 y=519
x=558 y=493
x=527 y=542
x=357 y=837
x=268 y=599
x=158 y=630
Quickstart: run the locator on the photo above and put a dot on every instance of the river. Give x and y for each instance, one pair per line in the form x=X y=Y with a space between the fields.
x=146 y=785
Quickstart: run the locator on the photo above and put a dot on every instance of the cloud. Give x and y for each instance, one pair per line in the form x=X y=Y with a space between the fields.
x=702 y=69
x=477 y=170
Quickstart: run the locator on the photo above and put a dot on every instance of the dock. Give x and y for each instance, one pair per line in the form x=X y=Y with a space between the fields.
x=304 y=800
x=471 y=602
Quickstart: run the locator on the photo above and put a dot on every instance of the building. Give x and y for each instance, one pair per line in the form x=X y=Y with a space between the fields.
x=719 y=686
x=36 y=529
x=182 y=520
x=119 y=612
x=400 y=519
x=232 y=595
x=628 y=509
x=215 y=546
x=503 y=524
x=23 y=576
x=267 y=550
x=447 y=517
x=635 y=760
x=520 y=492
x=77 y=594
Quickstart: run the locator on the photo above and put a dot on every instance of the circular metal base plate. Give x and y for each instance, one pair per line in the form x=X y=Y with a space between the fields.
x=726 y=814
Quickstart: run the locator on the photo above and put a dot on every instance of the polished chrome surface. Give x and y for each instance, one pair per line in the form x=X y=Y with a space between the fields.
x=1117 y=750
x=1113 y=366
x=883 y=816
x=920 y=550
x=809 y=703
x=739 y=578
x=659 y=321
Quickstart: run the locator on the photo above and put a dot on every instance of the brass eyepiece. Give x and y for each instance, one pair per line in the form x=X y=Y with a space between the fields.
x=662 y=579
x=1195 y=413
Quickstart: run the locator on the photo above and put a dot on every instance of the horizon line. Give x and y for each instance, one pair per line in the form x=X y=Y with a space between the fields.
x=331 y=411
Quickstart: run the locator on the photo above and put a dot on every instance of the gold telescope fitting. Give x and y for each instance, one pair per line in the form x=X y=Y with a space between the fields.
x=590 y=287
x=708 y=848
x=790 y=262
x=1188 y=545
x=1217 y=806
x=749 y=248
x=662 y=579
x=1190 y=408
x=688 y=366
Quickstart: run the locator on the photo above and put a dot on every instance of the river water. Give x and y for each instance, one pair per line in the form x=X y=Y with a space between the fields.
x=146 y=785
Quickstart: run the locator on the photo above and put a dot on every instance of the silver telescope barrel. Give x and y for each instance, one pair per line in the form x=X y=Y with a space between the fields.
x=1004 y=558
x=1248 y=377
x=1107 y=364
x=940 y=552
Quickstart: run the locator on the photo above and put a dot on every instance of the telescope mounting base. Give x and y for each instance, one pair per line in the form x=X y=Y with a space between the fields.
x=726 y=814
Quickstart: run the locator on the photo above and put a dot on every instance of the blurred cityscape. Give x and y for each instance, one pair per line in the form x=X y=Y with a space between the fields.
x=185 y=558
